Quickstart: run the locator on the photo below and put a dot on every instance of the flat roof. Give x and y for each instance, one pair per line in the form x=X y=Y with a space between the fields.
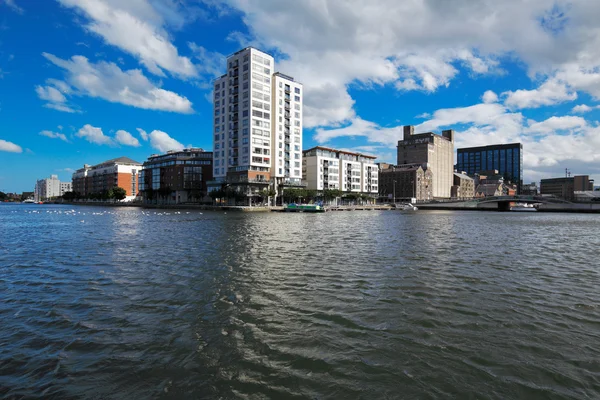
x=491 y=147
x=339 y=151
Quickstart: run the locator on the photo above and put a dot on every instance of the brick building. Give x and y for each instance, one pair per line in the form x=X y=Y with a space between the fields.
x=405 y=182
x=119 y=172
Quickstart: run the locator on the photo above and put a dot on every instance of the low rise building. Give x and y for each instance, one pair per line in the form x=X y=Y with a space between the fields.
x=176 y=177
x=324 y=168
x=119 y=172
x=565 y=188
x=50 y=188
x=405 y=182
x=464 y=186
x=530 y=189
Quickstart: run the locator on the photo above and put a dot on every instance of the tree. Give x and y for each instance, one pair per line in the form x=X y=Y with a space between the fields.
x=2 y=196
x=118 y=193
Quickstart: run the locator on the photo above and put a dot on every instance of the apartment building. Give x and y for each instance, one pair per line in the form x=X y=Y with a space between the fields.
x=257 y=125
x=433 y=152
x=122 y=172
x=324 y=168
x=176 y=176
x=50 y=188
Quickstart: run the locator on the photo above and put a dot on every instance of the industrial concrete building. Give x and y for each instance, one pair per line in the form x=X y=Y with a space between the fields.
x=119 y=172
x=405 y=183
x=176 y=176
x=434 y=153
x=325 y=168
x=50 y=188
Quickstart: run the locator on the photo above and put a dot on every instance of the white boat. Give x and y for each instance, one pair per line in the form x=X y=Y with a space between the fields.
x=29 y=201
x=404 y=207
x=523 y=207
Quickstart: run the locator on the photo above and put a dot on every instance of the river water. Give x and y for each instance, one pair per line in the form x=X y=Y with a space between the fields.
x=130 y=303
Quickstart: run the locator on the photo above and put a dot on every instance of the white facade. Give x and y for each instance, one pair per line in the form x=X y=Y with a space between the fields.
x=324 y=168
x=257 y=119
x=242 y=114
x=50 y=188
x=287 y=128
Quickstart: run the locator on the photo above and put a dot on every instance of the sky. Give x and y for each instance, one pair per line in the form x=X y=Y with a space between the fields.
x=84 y=81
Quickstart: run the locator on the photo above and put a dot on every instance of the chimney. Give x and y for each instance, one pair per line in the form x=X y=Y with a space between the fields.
x=449 y=134
x=409 y=130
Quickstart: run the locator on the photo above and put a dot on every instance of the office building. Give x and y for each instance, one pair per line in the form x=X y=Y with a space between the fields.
x=257 y=126
x=119 y=172
x=50 y=188
x=408 y=182
x=434 y=153
x=324 y=168
x=565 y=188
x=507 y=159
x=176 y=177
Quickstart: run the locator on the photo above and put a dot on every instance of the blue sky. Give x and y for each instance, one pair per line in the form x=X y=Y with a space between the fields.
x=83 y=81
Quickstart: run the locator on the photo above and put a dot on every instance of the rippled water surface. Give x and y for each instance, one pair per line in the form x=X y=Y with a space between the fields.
x=130 y=303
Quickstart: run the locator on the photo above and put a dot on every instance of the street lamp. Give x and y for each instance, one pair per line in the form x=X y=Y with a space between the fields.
x=394 y=190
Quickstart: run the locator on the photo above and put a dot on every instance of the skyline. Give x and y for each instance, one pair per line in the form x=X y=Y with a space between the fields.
x=87 y=81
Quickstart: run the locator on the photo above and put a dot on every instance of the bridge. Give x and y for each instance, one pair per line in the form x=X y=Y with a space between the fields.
x=500 y=203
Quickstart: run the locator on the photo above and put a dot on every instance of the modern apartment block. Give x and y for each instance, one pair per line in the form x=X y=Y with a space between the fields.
x=324 y=168
x=50 y=188
x=433 y=152
x=257 y=125
x=507 y=159
x=121 y=172
x=405 y=183
x=176 y=177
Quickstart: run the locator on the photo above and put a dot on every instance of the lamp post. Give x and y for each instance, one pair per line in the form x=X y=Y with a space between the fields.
x=394 y=191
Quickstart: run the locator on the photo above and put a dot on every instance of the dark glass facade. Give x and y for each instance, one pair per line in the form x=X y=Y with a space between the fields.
x=506 y=158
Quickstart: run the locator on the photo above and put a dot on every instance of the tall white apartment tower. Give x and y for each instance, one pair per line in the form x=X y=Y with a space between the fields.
x=257 y=124
x=287 y=130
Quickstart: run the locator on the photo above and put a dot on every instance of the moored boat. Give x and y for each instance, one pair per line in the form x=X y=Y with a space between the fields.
x=304 y=208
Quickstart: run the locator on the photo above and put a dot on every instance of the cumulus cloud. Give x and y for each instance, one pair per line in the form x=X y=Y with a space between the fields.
x=136 y=27
x=125 y=138
x=107 y=81
x=10 y=147
x=162 y=142
x=53 y=94
x=581 y=109
x=489 y=97
x=549 y=93
x=54 y=135
x=94 y=135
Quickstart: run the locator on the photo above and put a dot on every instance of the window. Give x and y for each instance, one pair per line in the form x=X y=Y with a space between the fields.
x=217 y=146
x=245 y=85
x=287 y=87
x=245 y=113
x=297 y=123
x=245 y=68
x=217 y=103
x=245 y=122
x=296 y=98
x=280 y=84
x=216 y=137
x=245 y=131
x=245 y=140
x=297 y=90
x=297 y=115
x=297 y=106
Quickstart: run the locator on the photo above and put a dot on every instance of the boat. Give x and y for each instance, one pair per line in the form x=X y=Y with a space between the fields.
x=304 y=208
x=29 y=201
x=523 y=207
x=404 y=207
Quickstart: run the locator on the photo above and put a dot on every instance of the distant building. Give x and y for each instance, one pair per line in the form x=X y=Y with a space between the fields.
x=530 y=189
x=50 y=188
x=464 y=186
x=507 y=159
x=489 y=190
x=121 y=172
x=434 y=152
x=405 y=182
x=325 y=168
x=565 y=188
x=176 y=177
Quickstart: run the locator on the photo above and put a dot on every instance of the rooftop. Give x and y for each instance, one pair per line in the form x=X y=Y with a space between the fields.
x=339 y=151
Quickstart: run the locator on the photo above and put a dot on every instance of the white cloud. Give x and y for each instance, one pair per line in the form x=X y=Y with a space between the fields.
x=54 y=135
x=50 y=93
x=143 y=134
x=489 y=97
x=549 y=93
x=581 y=109
x=94 y=135
x=107 y=81
x=162 y=142
x=10 y=147
x=13 y=5
x=53 y=94
x=554 y=124
x=125 y=138
x=137 y=27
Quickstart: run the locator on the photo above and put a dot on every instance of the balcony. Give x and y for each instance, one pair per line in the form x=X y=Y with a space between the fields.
x=287 y=105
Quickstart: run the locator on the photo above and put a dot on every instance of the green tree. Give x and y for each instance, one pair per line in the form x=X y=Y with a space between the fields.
x=118 y=193
x=2 y=196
